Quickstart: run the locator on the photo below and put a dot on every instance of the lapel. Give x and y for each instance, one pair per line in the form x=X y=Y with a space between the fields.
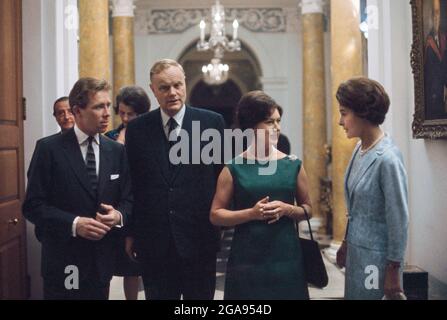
x=157 y=136
x=187 y=126
x=73 y=154
x=370 y=158
x=348 y=173
x=105 y=164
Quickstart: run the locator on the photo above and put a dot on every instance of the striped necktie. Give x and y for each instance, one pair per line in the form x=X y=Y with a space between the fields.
x=90 y=161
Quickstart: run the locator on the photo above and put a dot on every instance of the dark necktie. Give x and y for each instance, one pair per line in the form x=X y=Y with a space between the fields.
x=90 y=161
x=172 y=125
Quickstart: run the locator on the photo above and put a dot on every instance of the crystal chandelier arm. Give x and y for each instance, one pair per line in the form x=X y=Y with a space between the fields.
x=202 y=30
x=218 y=40
x=235 y=27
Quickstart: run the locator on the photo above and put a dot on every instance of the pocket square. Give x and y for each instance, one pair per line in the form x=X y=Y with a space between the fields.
x=114 y=176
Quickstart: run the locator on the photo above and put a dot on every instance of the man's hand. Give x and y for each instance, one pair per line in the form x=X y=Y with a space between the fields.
x=91 y=229
x=130 y=250
x=110 y=216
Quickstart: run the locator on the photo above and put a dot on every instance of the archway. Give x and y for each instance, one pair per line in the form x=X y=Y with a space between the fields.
x=221 y=99
x=245 y=75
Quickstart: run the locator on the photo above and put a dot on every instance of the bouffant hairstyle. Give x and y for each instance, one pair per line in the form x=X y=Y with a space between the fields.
x=253 y=108
x=134 y=97
x=366 y=98
x=83 y=88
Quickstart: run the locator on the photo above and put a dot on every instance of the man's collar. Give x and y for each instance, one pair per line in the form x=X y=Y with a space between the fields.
x=82 y=136
x=178 y=116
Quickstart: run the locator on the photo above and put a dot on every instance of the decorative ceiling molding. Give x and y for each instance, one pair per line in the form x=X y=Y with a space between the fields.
x=162 y=21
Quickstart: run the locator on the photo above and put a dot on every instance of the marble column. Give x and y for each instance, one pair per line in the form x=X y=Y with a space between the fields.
x=123 y=46
x=94 y=40
x=314 y=104
x=346 y=47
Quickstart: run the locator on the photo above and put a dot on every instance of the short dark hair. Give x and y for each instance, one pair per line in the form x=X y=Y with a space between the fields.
x=80 y=94
x=255 y=107
x=366 y=98
x=61 y=99
x=134 y=97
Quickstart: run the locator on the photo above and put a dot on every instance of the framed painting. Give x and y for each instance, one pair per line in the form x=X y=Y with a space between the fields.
x=429 y=64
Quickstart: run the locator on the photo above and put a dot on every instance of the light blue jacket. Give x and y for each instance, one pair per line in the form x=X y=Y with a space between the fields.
x=377 y=204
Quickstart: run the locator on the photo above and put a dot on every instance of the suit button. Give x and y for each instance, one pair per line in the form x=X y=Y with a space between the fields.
x=171 y=189
x=172 y=211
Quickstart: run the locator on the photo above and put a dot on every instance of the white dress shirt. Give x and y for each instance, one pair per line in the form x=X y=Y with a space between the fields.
x=178 y=118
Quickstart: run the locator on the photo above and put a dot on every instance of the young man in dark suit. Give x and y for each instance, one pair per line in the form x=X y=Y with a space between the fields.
x=170 y=230
x=78 y=193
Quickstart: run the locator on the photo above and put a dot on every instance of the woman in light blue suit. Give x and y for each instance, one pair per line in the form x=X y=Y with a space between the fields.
x=376 y=196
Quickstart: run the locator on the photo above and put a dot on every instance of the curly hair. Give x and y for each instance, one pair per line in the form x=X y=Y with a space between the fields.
x=253 y=108
x=366 y=98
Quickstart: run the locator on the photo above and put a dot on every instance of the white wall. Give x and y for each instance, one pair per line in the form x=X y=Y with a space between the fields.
x=389 y=62
x=49 y=71
x=279 y=55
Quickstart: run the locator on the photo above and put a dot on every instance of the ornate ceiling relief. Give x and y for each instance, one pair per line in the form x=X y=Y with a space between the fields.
x=162 y=21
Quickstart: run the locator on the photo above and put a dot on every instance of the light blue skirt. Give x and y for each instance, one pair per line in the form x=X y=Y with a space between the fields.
x=365 y=273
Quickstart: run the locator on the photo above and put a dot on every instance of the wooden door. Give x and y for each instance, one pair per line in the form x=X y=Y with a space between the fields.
x=13 y=273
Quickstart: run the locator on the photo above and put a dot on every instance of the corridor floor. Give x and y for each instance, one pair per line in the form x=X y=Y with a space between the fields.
x=334 y=290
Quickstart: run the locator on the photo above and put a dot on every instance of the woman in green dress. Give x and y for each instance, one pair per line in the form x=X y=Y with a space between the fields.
x=263 y=184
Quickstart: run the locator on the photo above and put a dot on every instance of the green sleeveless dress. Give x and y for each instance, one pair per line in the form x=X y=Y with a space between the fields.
x=265 y=260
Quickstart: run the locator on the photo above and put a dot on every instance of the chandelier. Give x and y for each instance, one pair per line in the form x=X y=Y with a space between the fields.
x=215 y=73
x=218 y=41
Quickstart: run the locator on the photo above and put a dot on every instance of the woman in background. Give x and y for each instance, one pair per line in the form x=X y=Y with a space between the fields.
x=131 y=102
x=376 y=196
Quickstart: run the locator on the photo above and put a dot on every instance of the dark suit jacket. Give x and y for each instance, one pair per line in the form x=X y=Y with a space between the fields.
x=33 y=159
x=177 y=204
x=59 y=190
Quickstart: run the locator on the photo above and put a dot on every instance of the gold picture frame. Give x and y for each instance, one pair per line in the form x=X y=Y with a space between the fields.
x=429 y=64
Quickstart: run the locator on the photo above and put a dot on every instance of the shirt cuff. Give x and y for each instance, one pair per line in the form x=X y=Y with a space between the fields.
x=73 y=227
x=120 y=225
